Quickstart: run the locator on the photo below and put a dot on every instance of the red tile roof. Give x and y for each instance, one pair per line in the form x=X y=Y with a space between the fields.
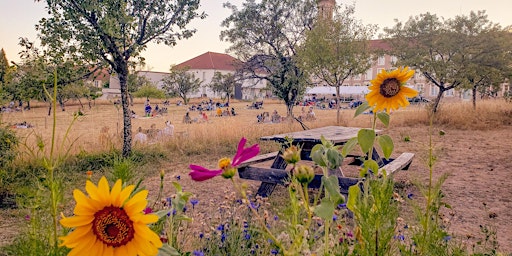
x=211 y=60
x=379 y=44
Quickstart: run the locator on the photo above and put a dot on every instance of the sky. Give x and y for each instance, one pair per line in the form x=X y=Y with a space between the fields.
x=19 y=17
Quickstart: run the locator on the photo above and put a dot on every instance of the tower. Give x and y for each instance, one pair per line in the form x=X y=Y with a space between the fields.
x=326 y=8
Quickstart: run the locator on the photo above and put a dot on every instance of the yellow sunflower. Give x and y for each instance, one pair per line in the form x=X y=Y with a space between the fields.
x=109 y=222
x=388 y=90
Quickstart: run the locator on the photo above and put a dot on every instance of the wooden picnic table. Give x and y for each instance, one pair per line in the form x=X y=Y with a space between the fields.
x=307 y=139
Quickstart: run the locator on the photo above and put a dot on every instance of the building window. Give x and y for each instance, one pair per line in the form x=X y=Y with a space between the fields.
x=382 y=60
x=449 y=92
x=393 y=60
x=420 y=88
x=96 y=83
x=433 y=90
x=368 y=75
x=356 y=77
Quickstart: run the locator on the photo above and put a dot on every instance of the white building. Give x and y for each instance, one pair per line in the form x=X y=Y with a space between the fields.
x=204 y=67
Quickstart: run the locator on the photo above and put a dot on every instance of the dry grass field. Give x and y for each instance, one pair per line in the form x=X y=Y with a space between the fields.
x=476 y=152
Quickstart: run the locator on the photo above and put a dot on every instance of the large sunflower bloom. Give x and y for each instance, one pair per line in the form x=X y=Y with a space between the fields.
x=109 y=222
x=388 y=90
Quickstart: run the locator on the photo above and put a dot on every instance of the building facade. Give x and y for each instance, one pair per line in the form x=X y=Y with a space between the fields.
x=204 y=67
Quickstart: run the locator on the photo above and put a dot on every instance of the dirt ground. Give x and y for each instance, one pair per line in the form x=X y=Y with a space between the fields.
x=478 y=188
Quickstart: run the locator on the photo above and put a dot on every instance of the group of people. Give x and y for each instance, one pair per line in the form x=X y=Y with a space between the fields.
x=307 y=116
x=226 y=112
x=265 y=117
x=203 y=117
x=153 y=133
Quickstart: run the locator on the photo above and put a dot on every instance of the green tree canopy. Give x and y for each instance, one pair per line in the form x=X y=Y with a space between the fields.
x=181 y=83
x=265 y=35
x=149 y=91
x=449 y=53
x=115 y=32
x=223 y=83
x=336 y=49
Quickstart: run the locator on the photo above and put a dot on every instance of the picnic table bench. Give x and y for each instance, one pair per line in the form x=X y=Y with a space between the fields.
x=277 y=174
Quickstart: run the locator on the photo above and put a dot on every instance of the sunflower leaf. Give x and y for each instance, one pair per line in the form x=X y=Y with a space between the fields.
x=386 y=144
x=366 y=137
x=384 y=118
x=362 y=108
x=353 y=194
x=348 y=146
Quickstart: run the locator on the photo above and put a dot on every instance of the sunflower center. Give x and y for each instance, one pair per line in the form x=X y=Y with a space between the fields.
x=113 y=226
x=390 y=87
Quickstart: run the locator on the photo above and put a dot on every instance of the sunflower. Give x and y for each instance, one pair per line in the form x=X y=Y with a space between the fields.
x=388 y=90
x=109 y=222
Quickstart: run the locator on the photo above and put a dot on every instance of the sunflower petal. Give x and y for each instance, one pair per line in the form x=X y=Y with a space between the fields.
x=83 y=248
x=115 y=194
x=75 y=236
x=84 y=205
x=137 y=203
x=125 y=194
x=148 y=234
x=76 y=221
x=144 y=246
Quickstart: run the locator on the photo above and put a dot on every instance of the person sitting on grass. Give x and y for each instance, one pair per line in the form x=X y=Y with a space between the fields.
x=187 y=119
x=167 y=131
x=219 y=111
x=276 y=118
x=140 y=137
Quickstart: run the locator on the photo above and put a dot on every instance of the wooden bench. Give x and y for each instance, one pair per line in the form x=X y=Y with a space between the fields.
x=275 y=175
x=402 y=162
x=259 y=159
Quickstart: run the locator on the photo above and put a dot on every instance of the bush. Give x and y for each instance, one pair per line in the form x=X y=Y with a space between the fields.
x=8 y=145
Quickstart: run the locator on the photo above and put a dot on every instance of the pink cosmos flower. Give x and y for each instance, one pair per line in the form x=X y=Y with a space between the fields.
x=199 y=173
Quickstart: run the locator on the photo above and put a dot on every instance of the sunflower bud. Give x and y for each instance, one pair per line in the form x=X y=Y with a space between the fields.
x=304 y=174
x=162 y=174
x=228 y=172
x=292 y=155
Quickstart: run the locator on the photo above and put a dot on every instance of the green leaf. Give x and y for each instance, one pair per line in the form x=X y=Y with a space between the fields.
x=371 y=165
x=353 y=194
x=366 y=137
x=334 y=158
x=167 y=250
x=362 y=108
x=348 y=147
x=177 y=186
x=317 y=155
x=162 y=213
x=332 y=186
x=386 y=144
x=384 y=118
x=325 y=209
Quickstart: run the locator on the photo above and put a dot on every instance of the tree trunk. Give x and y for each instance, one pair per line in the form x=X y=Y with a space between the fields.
x=127 y=127
x=338 y=118
x=437 y=100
